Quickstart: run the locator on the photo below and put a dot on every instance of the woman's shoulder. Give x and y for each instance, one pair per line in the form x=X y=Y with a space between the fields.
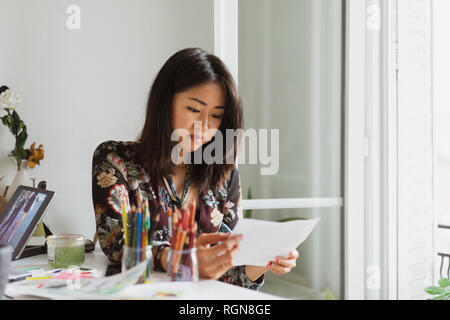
x=119 y=154
x=122 y=149
x=122 y=156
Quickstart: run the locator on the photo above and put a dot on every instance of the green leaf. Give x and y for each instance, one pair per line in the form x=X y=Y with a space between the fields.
x=19 y=162
x=18 y=155
x=21 y=126
x=15 y=123
x=290 y=219
x=444 y=282
x=16 y=117
x=8 y=121
x=26 y=154
x=248 y=212
x=441 y=297
x=21 y=139
x=330 y=295
x=433 y=290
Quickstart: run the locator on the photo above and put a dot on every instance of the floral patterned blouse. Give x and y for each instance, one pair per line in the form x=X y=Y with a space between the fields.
x=117 y=175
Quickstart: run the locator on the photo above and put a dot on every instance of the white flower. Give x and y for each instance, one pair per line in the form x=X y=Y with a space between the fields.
x=5 y=96
x=216 y=217
x=10 y=100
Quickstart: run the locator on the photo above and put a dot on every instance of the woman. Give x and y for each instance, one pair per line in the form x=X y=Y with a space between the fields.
x=194 y=95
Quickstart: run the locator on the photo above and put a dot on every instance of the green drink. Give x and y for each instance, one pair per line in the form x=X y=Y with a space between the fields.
x=65 y=250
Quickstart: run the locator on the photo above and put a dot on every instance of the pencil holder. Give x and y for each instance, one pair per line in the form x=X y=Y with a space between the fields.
x=133 y=256
x=182 y=265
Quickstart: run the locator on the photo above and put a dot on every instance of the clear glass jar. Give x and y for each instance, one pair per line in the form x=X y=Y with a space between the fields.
x=65 y=250
x=182 y=265
x=133 y=256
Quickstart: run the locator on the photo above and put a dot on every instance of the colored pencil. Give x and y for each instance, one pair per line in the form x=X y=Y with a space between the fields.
x=191 y=224
x=145 y=227
x=175 y=251
x=124 y=222
x=174 y=228
x=138 y=232
x=133 y=224
x=169 y=222
x=182 y=241
x=183 y=232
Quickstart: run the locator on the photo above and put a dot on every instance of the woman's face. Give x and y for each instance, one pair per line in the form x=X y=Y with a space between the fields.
x=202 y=106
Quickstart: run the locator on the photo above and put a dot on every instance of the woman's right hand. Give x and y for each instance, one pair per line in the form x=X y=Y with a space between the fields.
x=214 y=261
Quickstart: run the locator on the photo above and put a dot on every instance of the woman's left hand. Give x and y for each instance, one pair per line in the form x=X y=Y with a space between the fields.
x=281 y=265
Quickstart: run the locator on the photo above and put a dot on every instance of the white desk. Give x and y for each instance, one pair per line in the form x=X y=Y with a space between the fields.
x=201 y=290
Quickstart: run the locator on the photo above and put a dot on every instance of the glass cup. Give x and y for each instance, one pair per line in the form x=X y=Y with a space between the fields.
x=5 y=264
x=133 y=256
x=65 y=250
x=182 y=265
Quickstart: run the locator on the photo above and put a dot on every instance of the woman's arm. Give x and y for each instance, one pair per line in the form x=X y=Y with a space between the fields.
x=245 y=276
x=212 y=261
x=109 y=190
x=279 y=265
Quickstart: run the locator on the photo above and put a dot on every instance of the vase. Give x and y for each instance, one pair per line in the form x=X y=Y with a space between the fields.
x=22 y=178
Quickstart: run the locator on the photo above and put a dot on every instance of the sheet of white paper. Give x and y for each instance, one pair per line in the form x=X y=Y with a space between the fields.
x=264 y=240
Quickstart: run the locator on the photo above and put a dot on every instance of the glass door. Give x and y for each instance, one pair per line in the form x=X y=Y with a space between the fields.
x=290 y=72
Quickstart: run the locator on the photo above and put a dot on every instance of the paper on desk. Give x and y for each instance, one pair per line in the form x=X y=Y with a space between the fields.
x=264 y=240
x=86 y=288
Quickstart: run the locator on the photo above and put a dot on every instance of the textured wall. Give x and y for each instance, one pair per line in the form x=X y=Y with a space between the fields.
x=415 y=157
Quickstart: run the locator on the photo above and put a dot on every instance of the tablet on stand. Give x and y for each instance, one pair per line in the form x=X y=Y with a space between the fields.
x=20 y=218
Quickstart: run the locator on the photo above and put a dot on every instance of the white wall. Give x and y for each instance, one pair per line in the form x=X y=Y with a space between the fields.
x=441 y=70
x=82 y=87
x=415 y=150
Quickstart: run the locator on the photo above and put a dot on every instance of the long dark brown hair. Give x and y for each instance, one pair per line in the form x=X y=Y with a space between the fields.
x=186 y=69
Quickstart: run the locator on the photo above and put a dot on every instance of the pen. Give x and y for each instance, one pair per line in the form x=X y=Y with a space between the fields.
x=55 y=271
